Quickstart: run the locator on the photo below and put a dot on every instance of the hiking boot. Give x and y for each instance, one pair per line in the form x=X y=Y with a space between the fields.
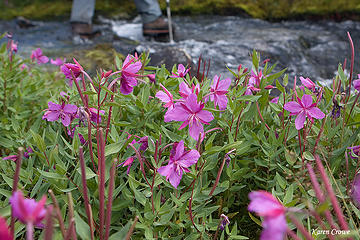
x=84 y=30
x=157 y=27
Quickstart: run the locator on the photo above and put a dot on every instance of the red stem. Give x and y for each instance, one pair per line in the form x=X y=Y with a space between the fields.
x=218 y=176
x=14 y=187
x=85 y=192
x=331 y=194
x=319 y=194
x=101 y=157
x=300 y=227
x=110 y=199
x=262 y=119
x=49 y=227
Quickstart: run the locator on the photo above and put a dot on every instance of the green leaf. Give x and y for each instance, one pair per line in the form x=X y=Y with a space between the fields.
x=7 y=143
x=250 y=98
x=308 y=155
x=88 y=172
x=122 y=233
x=82 y=229
x=113 y=148
x=51 y=175
x=39 y=141
x=281 y=181
x=172 y=136
x=289 y=194
x=280 y=87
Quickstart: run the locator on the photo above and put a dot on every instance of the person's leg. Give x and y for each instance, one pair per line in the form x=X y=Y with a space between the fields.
x=148 y=9
x=82 y=11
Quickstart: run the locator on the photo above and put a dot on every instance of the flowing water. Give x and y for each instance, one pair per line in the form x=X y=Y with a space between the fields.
x=311 y=49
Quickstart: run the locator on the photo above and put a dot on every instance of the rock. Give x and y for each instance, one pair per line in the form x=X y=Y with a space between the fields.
x=24 y=23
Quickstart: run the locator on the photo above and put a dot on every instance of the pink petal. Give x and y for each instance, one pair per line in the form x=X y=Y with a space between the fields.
x=166 y=170
x=162 y=96
x=215 y=82
x=275 y=100
x=134 y=67
x=189 y=158
x=65 y=119
x=264 y=204
x=307 y=82
x=4 y=230
x=179 y=150
x=69 y=108
x=293 y=107
x=184 y=90
x=224 y=84
x=274 y=228
x=355 y=190
x=306 y=100
x=195 y=129
x=205 y=116
x=178 y=113
x=222 y=101
x=181 y=68
x=192 y=104
x=357 y=84
x=42 y=59
x=175 y=178
x=53 y=106
x=52 y=116
x=300 y=120
x=316 y=113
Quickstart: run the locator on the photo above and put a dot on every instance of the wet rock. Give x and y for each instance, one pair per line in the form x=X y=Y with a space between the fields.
x=24 y=23
x=168 y=56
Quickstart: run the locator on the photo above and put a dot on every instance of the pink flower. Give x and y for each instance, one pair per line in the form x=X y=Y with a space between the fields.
x=38 y=55
x=225 y=221
x=14 y=157
x=307 y=83
x=13 y=47
x=128 y=162
x=28 y=210
x=357 y=83
x=275 y=100
x=166 y=97
x=303 y=108
x=71 y=133
x=4 y=230
x=355 y=190
x=181 y=72
x=76 y=69
x=254 y=83
x=129 y=71
x=185 y=91
x=218 y=90
x=63 y=111
x=24 y=66
x=57 y=62
x=94 y=114
x=265 y=205
x=178 y=163
x=192 y=113
x=151 y=77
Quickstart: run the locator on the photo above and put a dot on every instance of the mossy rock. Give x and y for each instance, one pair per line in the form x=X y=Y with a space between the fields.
x=100 y=56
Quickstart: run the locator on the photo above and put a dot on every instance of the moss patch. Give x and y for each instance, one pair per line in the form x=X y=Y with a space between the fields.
x=100 y=56
x=264 y=9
